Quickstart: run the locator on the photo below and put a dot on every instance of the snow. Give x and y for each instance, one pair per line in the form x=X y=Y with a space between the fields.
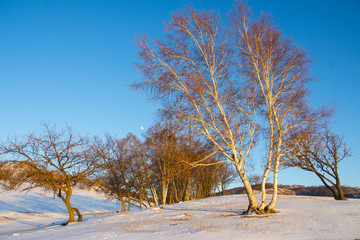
x=299 y=217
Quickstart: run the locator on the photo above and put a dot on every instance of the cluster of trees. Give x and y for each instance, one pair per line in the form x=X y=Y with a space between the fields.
x=228 y=83
x=160 y=170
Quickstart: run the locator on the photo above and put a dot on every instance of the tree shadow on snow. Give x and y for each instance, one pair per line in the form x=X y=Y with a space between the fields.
x=21 y=221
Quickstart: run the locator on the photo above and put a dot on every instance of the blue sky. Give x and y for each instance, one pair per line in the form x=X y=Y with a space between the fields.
x=70 y=61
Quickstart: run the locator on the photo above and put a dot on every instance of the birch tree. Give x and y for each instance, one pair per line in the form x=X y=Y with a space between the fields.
x=279 y=68
x=190 y=72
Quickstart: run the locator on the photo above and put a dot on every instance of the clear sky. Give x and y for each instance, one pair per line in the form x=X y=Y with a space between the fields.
x=70 y=61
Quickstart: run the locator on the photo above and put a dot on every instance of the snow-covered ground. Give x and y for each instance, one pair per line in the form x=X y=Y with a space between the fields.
x=20 y=211
x=32 y=216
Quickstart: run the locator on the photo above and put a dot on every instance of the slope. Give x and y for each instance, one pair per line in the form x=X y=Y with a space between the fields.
x=300 y=217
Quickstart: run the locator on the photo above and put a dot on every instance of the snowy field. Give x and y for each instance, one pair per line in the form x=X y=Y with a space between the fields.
x=36 y=216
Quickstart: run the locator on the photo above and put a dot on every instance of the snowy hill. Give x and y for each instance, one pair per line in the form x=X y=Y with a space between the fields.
x=300 y=217
x=28 y=210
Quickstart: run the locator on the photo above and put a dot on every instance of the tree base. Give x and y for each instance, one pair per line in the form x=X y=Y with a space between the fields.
x=270 y=210
x=258 y=211
x=251 y=209
x=71 y=219
x=78 y=213
x=343 y=198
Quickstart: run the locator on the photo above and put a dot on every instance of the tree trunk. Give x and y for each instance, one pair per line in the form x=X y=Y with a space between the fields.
x=181 y=191
x=188 y=190
x=340 y=195
x=326 y=185
x=123 y=205
x=261 y=208
x=71 y=213
x=271 y=206
x=121 y=199
x=70 y=209
x=147 y=200
x=250 y=194
x=66 y=200
x=263 y=187
x=78 y=213
x=154 y=194
x=165 y=186
x=171 y=196
x=140 y=198
x=129 y=201
x=176 y=198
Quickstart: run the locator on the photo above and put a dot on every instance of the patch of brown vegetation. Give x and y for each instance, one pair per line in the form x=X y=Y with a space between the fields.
x=256 y=216
x=180 y=219
x=206 y=227
x=228 y=215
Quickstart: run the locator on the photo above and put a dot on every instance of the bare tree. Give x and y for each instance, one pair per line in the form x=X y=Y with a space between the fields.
x=57 y=159
x=255 y=180
x=280 y=70
x=190 y=72
x=226 y=176
x=321 y=154
x=140 y=170
x=116 y=173
x=164 y=153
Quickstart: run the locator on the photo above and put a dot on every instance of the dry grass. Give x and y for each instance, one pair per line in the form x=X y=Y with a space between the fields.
x=180 y=219
x=245 y=216
x=256 y=216
x=228 y=215
x=206 y=226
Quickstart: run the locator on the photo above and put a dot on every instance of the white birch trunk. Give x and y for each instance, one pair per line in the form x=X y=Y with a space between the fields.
x=250 y=194
x=268 y=166
x=270 y=207
x=154 y=194
x=165 y=187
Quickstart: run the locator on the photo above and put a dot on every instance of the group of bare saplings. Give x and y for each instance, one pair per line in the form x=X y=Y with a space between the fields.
x=222 y=87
